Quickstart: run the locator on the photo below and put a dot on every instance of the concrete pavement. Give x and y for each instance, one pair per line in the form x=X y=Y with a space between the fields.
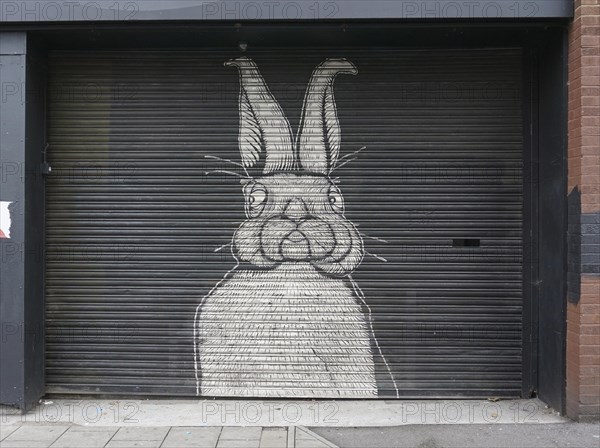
x=31 y=435
x=285 y=413
x=565 y=435
x=91 y=423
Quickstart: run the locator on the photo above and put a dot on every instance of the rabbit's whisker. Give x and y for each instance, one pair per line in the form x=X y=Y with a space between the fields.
x=220 y=159
x=348 y=156
x=373 y=238
x=353 y=153
x=219 y=249
x=376 y=256
x=229 y=173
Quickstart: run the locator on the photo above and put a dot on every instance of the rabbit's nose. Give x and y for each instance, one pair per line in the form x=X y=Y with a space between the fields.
x=295 y=210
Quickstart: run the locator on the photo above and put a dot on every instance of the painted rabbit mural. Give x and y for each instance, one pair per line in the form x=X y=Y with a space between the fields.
x=288 y=319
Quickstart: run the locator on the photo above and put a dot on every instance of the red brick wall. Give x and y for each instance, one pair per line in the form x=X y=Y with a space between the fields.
x=583 y=310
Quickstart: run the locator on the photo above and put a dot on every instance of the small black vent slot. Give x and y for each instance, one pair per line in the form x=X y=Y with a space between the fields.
x=466 y=243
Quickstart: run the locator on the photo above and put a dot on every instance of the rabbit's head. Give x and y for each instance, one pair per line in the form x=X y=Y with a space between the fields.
x=295 y=212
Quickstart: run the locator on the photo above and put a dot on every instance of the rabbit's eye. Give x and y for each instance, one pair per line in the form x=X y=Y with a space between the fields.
x=257 y=200
x=336 y=200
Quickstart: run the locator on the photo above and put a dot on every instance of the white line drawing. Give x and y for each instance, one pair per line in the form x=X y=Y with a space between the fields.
x=361 y=296
x=5 y=221
x=287 y=320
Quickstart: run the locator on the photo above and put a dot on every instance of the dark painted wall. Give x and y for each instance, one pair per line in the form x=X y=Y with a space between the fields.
x=22 y=117
x=35 y=140
x=12 y=189
x=552 y=218
x=30 y=11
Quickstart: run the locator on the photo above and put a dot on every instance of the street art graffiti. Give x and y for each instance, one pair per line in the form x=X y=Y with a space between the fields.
x=289 y=318
x=4 y=220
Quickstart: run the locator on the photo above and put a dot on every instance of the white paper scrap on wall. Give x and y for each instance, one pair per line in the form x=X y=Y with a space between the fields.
x=4 y=219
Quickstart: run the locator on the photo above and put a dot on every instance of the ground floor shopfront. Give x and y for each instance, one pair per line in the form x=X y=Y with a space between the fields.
x=293 y=210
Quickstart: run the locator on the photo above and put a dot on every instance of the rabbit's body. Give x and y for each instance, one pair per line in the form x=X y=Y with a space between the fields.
x=288 y=329
x=287 y=321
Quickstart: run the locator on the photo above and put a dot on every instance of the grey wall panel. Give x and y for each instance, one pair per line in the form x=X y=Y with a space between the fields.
x=13 y=53
x=30 y=11
x=22 y=81
x=133 y=220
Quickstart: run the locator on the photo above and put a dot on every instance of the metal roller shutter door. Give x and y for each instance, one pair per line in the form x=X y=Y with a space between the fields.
x=133 y=220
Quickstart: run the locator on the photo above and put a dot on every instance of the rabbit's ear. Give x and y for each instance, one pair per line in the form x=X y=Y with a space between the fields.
x=265 y=132
x=319 y=137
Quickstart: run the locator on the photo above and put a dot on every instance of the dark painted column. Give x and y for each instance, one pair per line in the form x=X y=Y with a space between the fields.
x=552 y=210
x=21 y=241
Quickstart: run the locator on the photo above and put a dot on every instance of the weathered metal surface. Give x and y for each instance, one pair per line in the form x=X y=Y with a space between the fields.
x=31 y=11
x=135 y=223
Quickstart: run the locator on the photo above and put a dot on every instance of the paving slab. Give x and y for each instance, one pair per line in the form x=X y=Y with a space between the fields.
x=6 y=430
x=36 y=433
x=77 y=428
x=291 y=437
x=133 y=444
x=79 y=438
x=239 y=444
x=273 y=438
x=25 y=444
x=141 y=434
x=198 y=437
x=302 y=443
x=306 y=435
x=301 y=435
x=240 y=433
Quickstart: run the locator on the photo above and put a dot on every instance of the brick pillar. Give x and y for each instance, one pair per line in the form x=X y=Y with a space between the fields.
x=583 y=308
